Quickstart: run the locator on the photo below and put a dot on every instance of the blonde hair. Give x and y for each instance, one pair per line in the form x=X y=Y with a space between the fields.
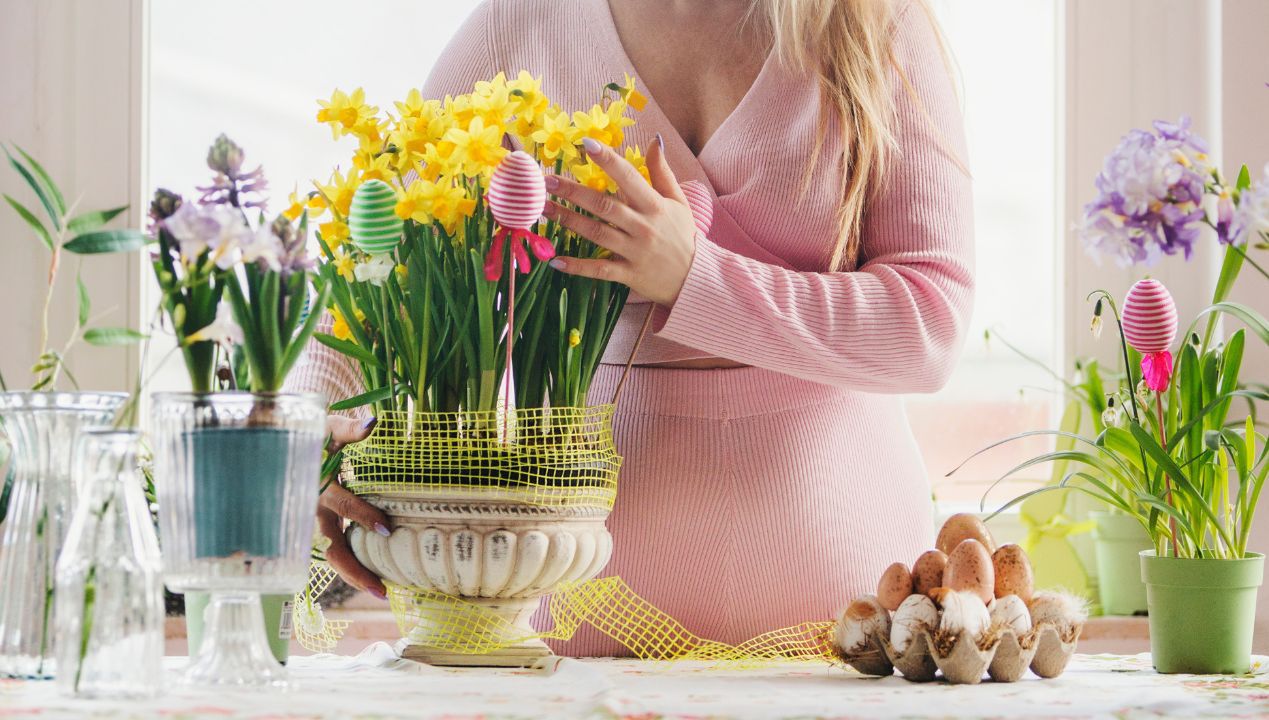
x=847 y=45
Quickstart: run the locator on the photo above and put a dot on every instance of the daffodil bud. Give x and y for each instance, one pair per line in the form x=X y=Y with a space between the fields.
x=574 y=338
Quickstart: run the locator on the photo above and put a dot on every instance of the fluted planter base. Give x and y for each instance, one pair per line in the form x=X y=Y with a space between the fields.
x=500 y=556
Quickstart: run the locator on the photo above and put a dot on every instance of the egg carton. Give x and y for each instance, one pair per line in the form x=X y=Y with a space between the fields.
x=1000 y=653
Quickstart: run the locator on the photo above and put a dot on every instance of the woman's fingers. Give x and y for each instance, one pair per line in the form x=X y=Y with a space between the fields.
x=600 y=233
x=599 y=269
x=638 y=194
x=605 y=206
x=341 y=557
x=345 y=430
x=339 y=500
x=662 y=177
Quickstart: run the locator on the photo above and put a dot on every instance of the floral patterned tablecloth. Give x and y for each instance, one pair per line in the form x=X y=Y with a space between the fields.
x=376 y=685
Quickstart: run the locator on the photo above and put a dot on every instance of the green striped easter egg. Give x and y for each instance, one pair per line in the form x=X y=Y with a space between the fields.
x=374 y=226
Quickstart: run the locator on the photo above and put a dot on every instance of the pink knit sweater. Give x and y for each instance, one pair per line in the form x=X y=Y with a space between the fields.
x=783 y=489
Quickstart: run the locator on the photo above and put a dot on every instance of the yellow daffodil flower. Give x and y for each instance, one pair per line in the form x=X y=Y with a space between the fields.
x=594 y=177
x=527 y=95
x=344 y=113
x=478 y=148
x=635 y=157
x=338 y=193
x=334 y=233
x=557 y=138
x=595 y=124
x=403 y=273
x=413 y=203
x=339 y=328
x=296 y=206
x=344 y=262
x=375 y=168
x=574 y=338
x=632 y=96
x=618 y=122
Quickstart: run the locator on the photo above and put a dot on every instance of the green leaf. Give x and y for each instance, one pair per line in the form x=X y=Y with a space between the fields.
x=31 y=220
x=107 y=241
x=39 y=191
x=90 y=221
x=85 y=305
x=349 y=348
x=6 y=487
x=106 y=337
x=47 y=181
x=1244 y=179
x=366 y=398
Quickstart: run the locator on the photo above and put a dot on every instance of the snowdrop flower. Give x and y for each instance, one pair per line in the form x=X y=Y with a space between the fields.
x=375 y=270
x=223 y=329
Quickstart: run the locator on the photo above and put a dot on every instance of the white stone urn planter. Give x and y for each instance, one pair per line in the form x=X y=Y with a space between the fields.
x=503 y=556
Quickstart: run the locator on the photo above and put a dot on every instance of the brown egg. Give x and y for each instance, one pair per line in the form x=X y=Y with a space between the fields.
x=894 y=587
x=1013 y=572
x=969 y=569
x=963 y=526
x=927 y=571
x=937 y=594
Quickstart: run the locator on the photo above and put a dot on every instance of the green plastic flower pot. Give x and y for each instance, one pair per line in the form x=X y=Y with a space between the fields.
x=277 y=622
x=1117 y=542
x=1202 y=612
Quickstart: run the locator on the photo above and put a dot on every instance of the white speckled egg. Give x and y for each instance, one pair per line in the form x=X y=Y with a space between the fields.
x=915 y=613
x=964 y=613
x=1059 y=609
x=1011 y=612
x=863 y=619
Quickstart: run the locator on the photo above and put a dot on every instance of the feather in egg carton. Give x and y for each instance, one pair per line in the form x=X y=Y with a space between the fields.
x=863 y=640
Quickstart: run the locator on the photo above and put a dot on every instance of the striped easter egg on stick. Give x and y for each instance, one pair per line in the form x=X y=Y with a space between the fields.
x=517 y=191
x=1150 y=326
x=372 y=221
x=702 y=204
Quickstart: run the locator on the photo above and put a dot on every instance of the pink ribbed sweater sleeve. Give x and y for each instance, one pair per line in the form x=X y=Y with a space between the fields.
x=897 y=323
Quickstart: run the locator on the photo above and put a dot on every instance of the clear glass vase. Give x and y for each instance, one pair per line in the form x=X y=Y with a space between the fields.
x=109 y=607
x=237 y=476
x=42 y=428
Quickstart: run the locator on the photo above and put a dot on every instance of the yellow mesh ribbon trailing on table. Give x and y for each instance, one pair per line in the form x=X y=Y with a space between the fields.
x=547 y=457
x=456 y=625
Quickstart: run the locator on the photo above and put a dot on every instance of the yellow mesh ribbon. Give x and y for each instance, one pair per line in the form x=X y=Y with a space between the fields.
x=456 y=625
x=549 y=457
x=546 y=457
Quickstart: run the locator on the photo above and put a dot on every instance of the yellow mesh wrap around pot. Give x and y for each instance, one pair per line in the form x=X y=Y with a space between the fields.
x=551 y=457
x=548 y=457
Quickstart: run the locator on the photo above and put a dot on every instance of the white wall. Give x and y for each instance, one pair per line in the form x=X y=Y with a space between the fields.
x=71 y=82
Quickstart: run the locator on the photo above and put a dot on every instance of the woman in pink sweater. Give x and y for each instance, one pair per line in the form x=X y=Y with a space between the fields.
x=770 y=473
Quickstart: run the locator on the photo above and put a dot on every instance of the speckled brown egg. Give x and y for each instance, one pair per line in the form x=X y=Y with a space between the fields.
x=960 y=527
x=927 y=571
x=894 y=587
x=1013 y=572
x=969 y=569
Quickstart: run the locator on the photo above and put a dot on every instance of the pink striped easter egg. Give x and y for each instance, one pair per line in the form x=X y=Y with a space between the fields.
x=1149 y=317
x=702 y=204
x=517 y=191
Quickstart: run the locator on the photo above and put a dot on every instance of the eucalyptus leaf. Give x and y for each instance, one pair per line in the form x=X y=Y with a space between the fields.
x=111 y=336
x=31 y=220
x=90 y=221
x=107 y=241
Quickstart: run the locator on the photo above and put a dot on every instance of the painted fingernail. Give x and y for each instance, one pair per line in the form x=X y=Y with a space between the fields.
x=552 y=182
x=370 y=424
x=377 y=593
x=556 y=263
x=591 y=144
x=382 y=529
x=660 y=142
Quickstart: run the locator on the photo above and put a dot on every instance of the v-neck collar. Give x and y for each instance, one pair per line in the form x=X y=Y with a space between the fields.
x=603 y=15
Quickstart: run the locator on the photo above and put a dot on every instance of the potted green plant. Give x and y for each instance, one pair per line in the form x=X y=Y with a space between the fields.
x=1182 y=461
x=236 y=459
x=42 y=424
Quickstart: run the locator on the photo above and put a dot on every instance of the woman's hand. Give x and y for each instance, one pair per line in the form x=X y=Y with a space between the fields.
x=337 y=503
x=648 y=229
